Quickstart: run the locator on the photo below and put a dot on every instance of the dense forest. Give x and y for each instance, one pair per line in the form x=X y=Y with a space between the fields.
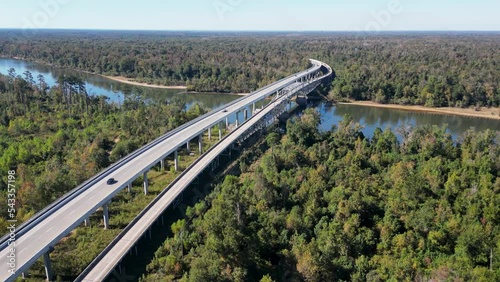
x=431 y=69
x=337 y=206
x=308 y=206
x=56 y=138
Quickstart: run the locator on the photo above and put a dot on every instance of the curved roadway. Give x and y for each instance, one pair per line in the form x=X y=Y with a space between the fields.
x=37 y=238
x=104 y=264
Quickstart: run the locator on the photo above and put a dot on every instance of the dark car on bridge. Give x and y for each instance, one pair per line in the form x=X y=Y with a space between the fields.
x=111 y=181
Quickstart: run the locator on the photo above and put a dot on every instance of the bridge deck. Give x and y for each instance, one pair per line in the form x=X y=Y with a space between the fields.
x=104 y=265
x=113 y=256
x=39 y=237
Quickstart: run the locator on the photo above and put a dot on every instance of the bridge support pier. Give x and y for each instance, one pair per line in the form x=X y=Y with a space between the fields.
x=220 y=131
x=200 y=143
x=105 y=215
x=162 y=165
x=146 y=183
x=253 y=109
x=129 y=187
x=245 y=114
x=209 y=133
x=25 y=274
x=237 y=119
x=86 y=222
x=176 y=160
x=48 y=266
x=188 y=147
x=227 y=122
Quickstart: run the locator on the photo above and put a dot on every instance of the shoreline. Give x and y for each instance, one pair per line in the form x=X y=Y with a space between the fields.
x=487 y=113
x=130 y=81
x=215 y=93
x=483 y=112
x=125 y=80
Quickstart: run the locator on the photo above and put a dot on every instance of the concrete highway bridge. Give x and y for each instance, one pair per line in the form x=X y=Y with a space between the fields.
x=37 y=237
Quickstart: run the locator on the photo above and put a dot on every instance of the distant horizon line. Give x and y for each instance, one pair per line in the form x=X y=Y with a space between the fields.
x=242 y=30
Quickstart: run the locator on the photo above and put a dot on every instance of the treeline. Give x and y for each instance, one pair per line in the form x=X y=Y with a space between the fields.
x=434 y=69
x=337 y=206
x=56 y=138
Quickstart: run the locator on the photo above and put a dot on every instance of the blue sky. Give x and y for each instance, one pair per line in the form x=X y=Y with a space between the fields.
x=294 y=15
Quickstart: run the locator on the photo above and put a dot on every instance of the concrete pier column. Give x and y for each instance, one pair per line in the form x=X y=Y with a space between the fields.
x=188 y=147
x=146 y=183
x=105 y=215
x=237 y=119
x=86 y=222
x=176 y=160
x=162 y=164
x=48 y=266
x=209 y=133
x=227 y=122
x=26 y=274
x=220 y=130
x=200 y=144
x=245 y=114
x=129 y=187
x=253 y=109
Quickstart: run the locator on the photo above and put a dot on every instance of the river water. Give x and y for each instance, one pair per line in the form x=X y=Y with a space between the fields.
x=116 y=91
x=369 y=117
x=372 y=117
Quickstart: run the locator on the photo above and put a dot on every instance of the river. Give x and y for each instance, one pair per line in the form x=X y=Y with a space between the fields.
x=116 y=91
x=369 y=117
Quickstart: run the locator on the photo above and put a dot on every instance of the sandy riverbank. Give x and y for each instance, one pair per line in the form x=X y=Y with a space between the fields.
x=491 y=113
x=132 y=82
